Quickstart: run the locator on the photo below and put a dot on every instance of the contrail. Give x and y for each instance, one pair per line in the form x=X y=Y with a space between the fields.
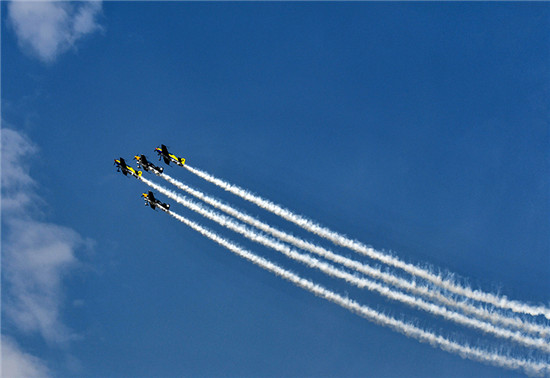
x=388 y=278
x=437 y=279
x=359 y=282
x=465 y=351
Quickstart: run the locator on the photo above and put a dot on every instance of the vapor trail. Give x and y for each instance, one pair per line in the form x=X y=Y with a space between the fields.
x=359 y=282
x=339 y=239
x=465 y=351
x=388 y=278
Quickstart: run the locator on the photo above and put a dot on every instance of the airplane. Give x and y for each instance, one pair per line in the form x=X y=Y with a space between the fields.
x=162 y=151
x=146 y=164
x=122 y=166
x=152 y=202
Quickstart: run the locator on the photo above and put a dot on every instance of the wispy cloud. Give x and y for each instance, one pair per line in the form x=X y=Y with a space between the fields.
x=46 y=29
x=16 y=363
x=17 y=184
x=36 y=255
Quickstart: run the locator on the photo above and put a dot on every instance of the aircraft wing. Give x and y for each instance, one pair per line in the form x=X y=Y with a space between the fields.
x=144 y=160
x=123 y=167
x=165 y=154
x=149 y=200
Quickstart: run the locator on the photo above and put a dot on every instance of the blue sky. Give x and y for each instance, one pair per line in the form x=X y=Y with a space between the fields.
x=421 y=129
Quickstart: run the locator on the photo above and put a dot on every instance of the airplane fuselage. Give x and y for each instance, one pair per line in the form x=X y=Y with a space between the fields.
x=178 y=161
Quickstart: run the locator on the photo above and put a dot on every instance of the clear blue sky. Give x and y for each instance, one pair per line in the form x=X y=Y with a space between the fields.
x=417 y=128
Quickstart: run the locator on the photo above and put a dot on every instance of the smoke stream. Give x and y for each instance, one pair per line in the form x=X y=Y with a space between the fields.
x=465 y=351
x=359 y=282
x=388 y=278
x=437 y=279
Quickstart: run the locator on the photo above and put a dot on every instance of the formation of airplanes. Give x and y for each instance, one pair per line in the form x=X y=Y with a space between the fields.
x=146 y=165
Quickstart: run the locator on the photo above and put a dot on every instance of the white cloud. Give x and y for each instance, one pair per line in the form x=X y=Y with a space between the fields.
x=16 y=363
x=36 y=255
x=49 y=28
x=17 y=184
x=84 y=20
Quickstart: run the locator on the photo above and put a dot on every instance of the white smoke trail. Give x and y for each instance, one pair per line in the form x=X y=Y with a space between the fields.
x=388 y=278
x=359 y=282
x=465 y=351
x=437 y=279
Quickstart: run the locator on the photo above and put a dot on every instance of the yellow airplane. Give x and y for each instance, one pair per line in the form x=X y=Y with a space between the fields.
x=162 y=151
x=125 y=169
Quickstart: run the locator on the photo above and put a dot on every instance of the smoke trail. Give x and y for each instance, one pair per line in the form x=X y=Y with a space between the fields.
x=437 y=279
x=388 y=278
x=465 y=351
x=359 y=282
